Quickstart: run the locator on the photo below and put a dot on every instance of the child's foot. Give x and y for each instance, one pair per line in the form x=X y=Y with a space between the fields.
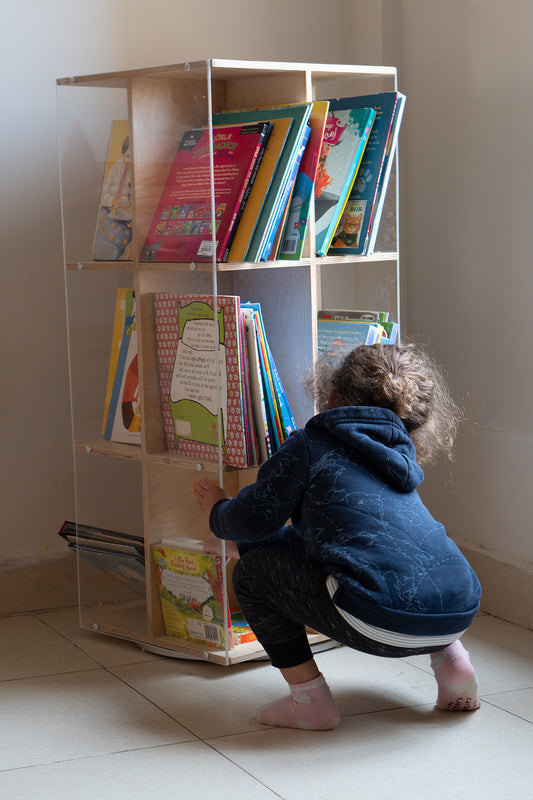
x=456 y=679
x=309 y=706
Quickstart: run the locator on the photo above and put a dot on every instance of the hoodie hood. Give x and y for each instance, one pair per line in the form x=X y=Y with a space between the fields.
x=380 y=437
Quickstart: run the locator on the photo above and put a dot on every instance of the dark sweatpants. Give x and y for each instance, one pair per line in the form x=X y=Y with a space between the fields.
x=280 y=594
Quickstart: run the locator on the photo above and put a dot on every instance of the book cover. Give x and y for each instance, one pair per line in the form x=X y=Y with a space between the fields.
x=191 y=591
x=199 y=363
x=345 y=138
x=112 y=240
x=182 y=228
x=284 y=198
x=353 y=227
x=122 y=416
x=297 y=222
x=259 y=191
x=300 y=115
x=336 y=338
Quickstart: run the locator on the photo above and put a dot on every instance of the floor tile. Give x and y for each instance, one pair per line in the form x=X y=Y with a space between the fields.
x=406 y=753
x=210 y=700
x=519 y=703
x=30 y=648
x=502 y=655
x=106 y=650
x=192 y=770
x=75 y=715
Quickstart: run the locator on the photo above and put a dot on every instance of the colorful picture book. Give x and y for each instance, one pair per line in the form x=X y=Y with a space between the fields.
x=122 y=418
x=182 y=228
x=118 y=555
x=112 y=241
x=218 y=379
x=297 y=222
x=391 y=329
x=299 y=113
x=352 y=235
x=345 y=138
x=337 y=337
x=191 y=589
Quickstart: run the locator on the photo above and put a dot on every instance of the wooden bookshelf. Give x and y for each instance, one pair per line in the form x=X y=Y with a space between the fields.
x=144 y=488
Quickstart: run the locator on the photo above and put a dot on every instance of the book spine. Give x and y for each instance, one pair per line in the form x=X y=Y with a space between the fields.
x=284 y=196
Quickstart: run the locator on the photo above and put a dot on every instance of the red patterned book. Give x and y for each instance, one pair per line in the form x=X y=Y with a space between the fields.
x=182 y=228
x=199 y=361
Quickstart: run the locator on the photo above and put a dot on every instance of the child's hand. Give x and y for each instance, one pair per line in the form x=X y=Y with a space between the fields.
x=207 y=493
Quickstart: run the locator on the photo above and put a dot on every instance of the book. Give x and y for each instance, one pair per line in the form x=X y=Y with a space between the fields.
x=347 y=314
x=336 y=338
x=279 y=415
x=118 y=555
x=182 y=228
x=122 y=416
x=345 y=137
x=191 y=590
x=284 y=198
x=192 y=595
x=300 y=115
x=112 y=239
x=297 y=223
x=199 y=364
x=350 y=237
x=383 y=184
x=256 y=388
x=259 y=191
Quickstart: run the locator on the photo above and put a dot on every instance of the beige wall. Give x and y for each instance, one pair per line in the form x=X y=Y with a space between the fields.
x=466 y=148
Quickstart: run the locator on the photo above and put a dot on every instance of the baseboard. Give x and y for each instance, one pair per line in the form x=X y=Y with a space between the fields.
x=51 y=582
x=507 y=585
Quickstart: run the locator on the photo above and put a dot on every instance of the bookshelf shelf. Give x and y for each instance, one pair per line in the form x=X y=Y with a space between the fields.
x=143 y=489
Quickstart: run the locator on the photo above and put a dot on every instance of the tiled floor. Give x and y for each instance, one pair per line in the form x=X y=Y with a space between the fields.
x=86 y=716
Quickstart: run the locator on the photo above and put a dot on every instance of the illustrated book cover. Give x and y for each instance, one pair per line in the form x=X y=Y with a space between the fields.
x=112 y=240
x=182 y=228
x=200 y=376
x=336 y=338
x=122 y=416
x=297 y=222
x=300 y=115
x=350 y=237
x=345 y=137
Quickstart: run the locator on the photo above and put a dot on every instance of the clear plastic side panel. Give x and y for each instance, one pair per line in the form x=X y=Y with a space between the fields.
x=97 y=205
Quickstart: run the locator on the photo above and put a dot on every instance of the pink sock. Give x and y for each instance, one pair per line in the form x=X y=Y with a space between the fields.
x=309 y=706
x=456 y=679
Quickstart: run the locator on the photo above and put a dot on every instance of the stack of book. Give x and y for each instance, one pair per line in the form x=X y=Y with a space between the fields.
x=119 y=555
x=218 y=379
x=269 y=164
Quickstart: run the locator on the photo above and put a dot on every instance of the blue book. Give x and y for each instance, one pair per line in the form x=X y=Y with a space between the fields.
x=284 y=197
x=345 y=138
x=353 y=228
x=300 y=114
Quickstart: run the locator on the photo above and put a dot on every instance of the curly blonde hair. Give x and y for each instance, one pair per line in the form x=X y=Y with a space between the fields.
x=401 y=378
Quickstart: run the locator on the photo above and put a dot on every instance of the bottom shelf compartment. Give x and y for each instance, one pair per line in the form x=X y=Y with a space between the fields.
x=129 y=621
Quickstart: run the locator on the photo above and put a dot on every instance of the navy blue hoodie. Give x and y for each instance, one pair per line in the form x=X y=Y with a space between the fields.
x=348 y=483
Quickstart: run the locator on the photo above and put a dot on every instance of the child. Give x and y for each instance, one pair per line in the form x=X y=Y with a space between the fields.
x=363 y=561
